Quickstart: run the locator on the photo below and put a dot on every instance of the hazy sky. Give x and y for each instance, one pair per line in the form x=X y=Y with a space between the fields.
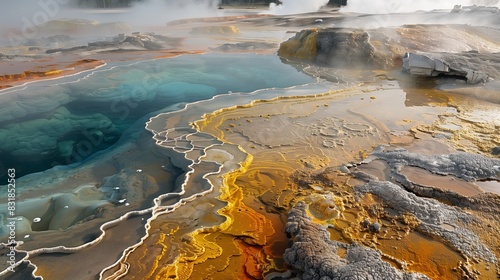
x=296 y=6
x=19 y=13
x=402 y=6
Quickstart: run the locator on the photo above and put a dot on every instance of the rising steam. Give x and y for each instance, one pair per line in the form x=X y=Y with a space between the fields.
x=296 y=6
x=155 y=12
x=407 y=6
x=15 y=14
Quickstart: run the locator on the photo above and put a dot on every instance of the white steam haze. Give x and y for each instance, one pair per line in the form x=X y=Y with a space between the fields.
x=407 y=6
x=154 y=12
x=19 y=13
x=289 y=7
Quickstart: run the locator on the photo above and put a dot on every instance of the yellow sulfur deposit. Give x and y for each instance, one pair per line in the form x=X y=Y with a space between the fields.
x=302 y=46
x=288 y=150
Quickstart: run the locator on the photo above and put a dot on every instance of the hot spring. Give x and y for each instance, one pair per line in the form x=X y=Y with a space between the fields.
x=65 y=121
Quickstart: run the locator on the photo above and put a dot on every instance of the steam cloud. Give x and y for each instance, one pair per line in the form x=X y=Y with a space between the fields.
x=15 y=14
x=296 y=6
x=407 y=6
x=154 y=12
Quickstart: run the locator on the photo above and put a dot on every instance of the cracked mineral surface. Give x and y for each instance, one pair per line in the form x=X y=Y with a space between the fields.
x=319 y=257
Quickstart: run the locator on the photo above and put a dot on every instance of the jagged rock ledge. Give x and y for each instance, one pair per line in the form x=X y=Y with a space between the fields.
x=463 y=59
x=472 y=67
x=384 y=48
x=134 y=41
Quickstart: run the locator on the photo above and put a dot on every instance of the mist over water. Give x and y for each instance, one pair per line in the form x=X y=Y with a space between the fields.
x=23 y=15
x=289 y=7
x=407 y=6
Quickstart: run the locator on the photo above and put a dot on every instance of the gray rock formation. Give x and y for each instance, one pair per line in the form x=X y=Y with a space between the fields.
x=425 y=209
x=431 y=50
x=470 y=167
x=432 y=214
x=471 y=66
x=345 y=48
x=47 y=41
x=350 y=48
x=135 y=41
x=316 y=256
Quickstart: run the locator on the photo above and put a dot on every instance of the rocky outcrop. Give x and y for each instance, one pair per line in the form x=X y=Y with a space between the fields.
x=332 y=47
x=471 y=66
x=315 y=256
x=49 y=41
x=426 y=210
x=467 y=52
x=441 y=214
x=346 y=48
x=470 y=167
x=135 y=41
x=465 y=166
x=301 y=46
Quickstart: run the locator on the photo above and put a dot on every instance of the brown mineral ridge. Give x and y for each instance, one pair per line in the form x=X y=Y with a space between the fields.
x=18 y=72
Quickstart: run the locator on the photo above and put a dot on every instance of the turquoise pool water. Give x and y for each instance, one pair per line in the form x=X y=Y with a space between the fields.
x=62 y=122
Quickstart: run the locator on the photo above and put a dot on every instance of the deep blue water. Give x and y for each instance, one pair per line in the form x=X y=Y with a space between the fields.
x=65 y=121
